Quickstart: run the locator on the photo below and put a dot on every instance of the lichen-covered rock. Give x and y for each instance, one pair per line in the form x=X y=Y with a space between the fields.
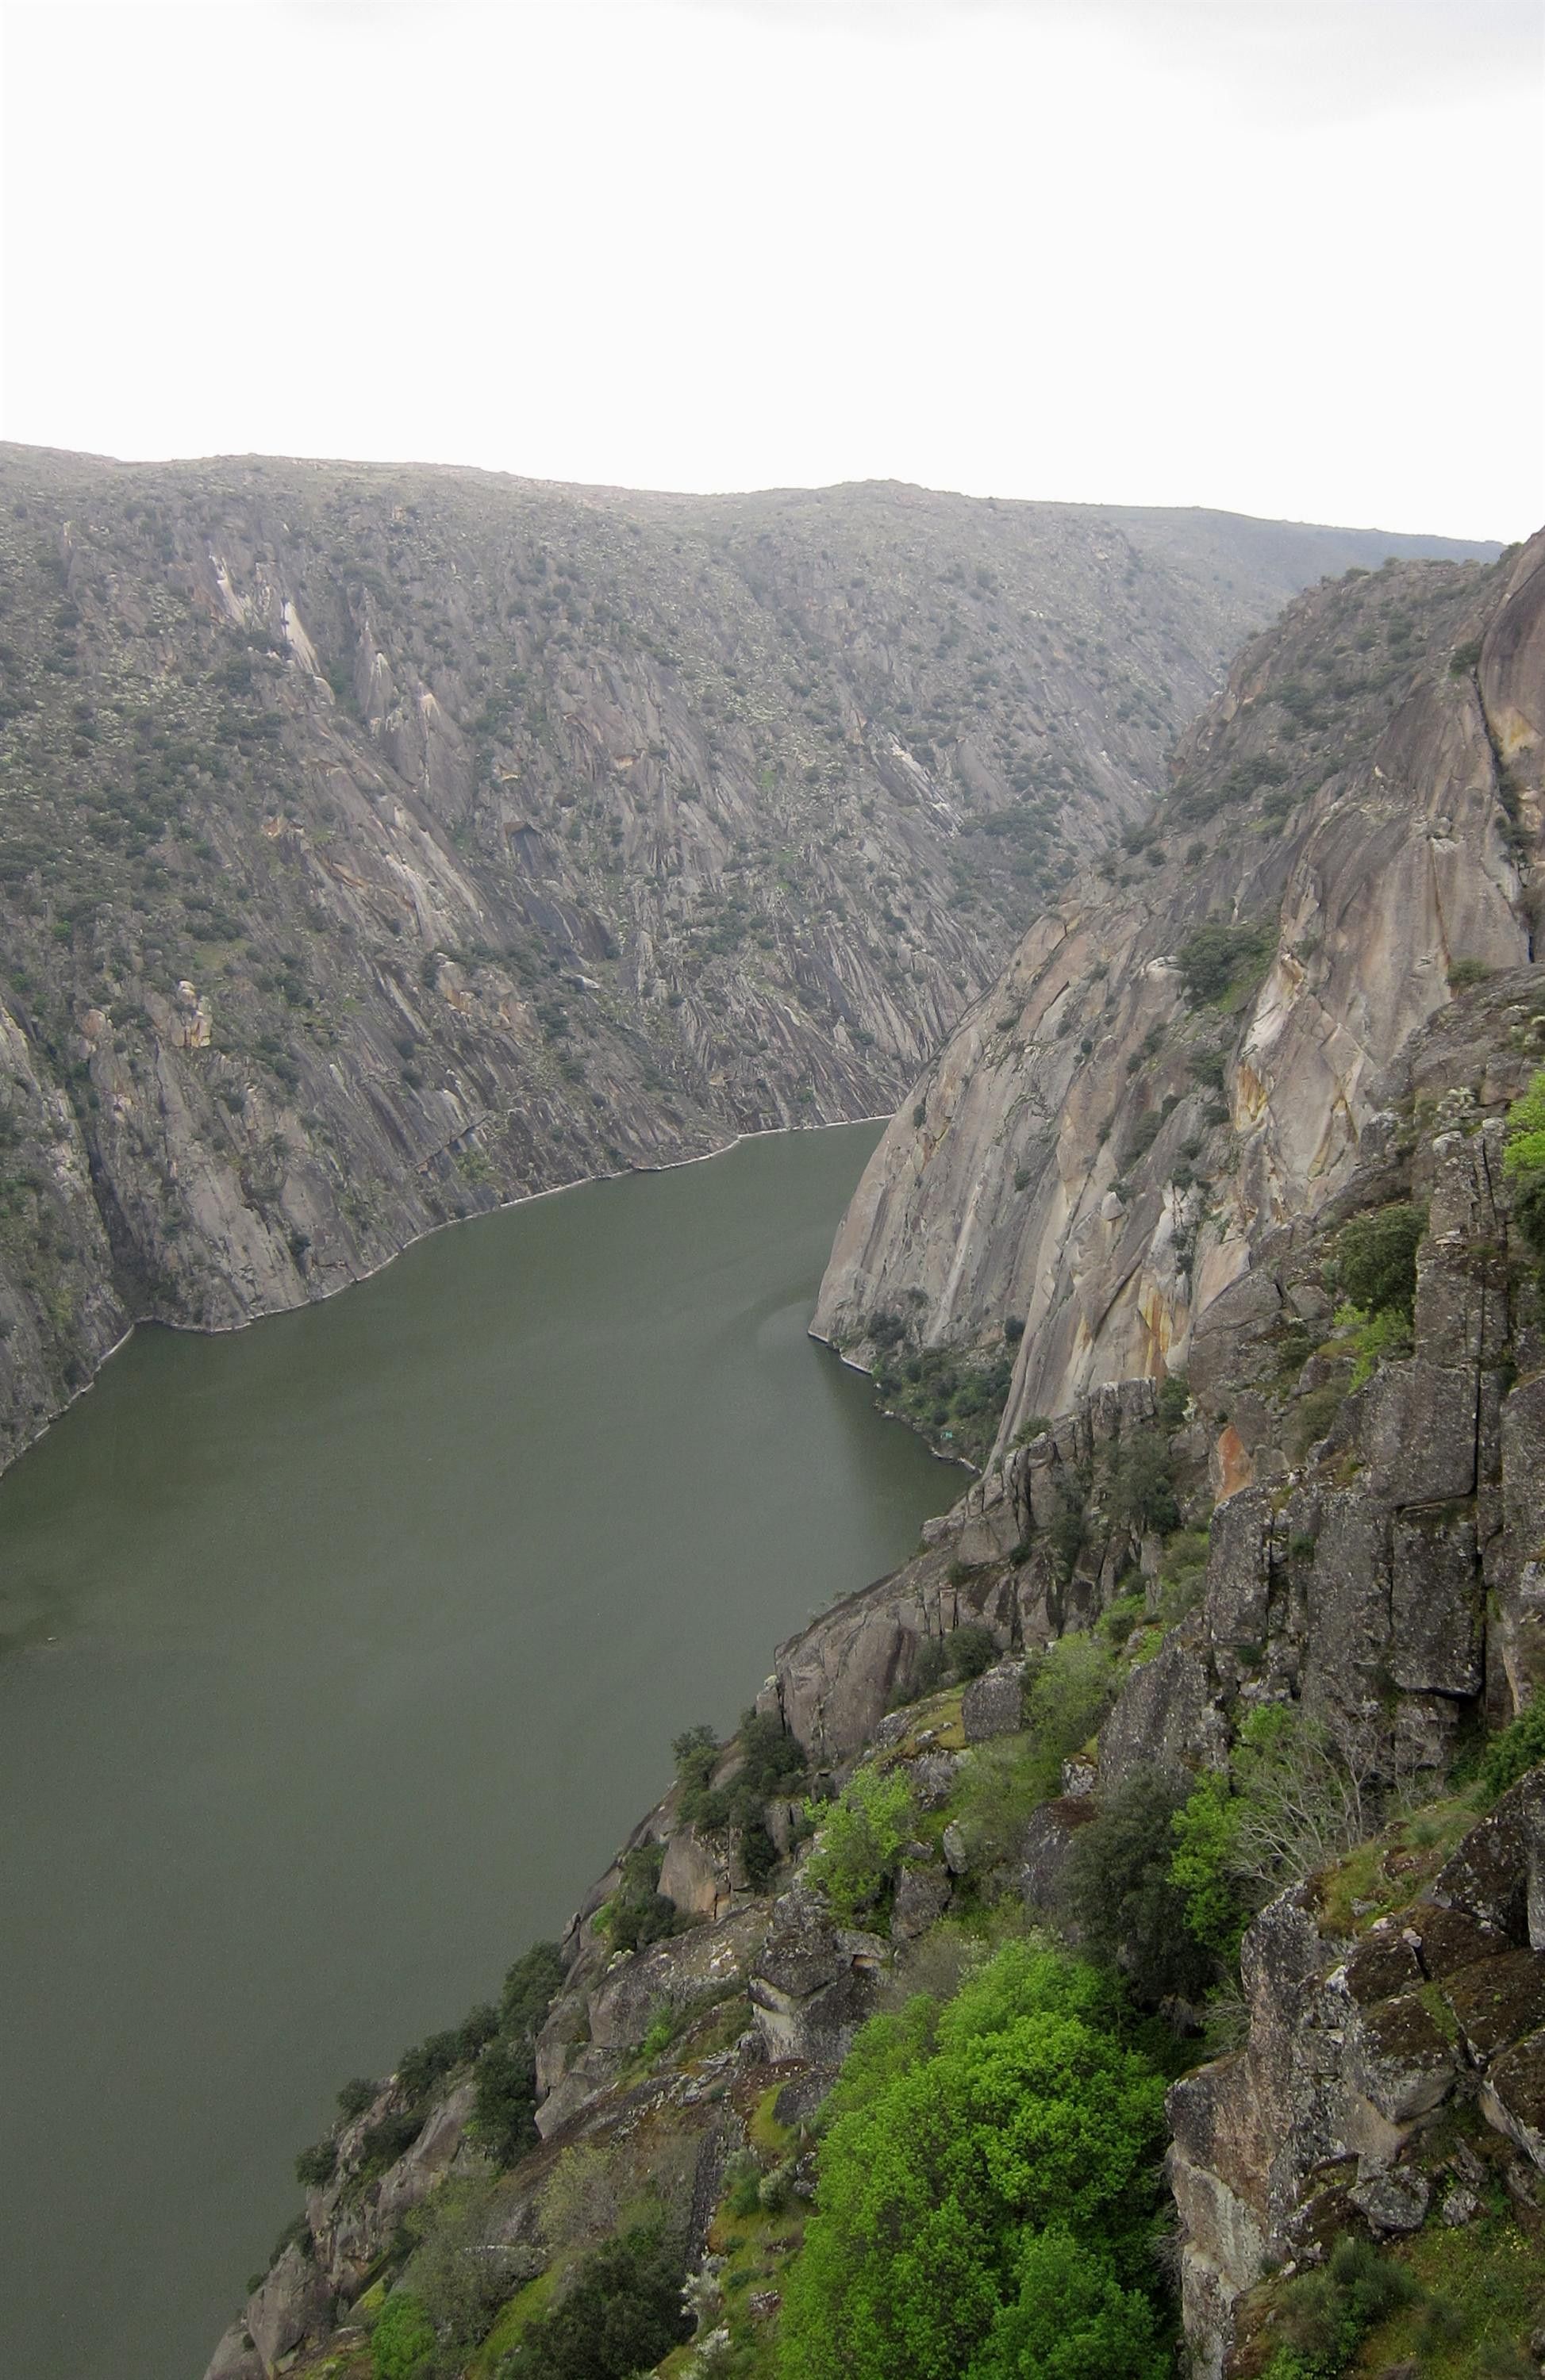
x=1512 y=2097
x=923 y=1895
x=1049 y=1836
x=813 y=1982
x=1498 y=2001
x=684 y=1973
x=1498 y=1873
x=993 y=1704
x=1394 y=2201
x=430 y=2156
x=1396 y=2059
x=1349 y=2054
x=695 y=1873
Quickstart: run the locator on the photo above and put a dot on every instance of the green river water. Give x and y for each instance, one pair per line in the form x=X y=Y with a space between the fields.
x=352 y=1645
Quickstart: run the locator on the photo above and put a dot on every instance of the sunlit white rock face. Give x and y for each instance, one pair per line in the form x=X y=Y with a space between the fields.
x=1096 y=1153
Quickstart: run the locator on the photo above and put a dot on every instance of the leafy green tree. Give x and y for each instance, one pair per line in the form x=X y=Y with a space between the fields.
x=530 y=1988
x=1376 y=1258
x=1206 y=1834
x=356 y=2095
x=1525 y=1161
x=863 y=1834
x=1118 y=1888
x=1071 y=2320
x=621 y=2315
x=983 y=2158
x=1142 y=1485
x=1067 y=1693
x=504 y=2106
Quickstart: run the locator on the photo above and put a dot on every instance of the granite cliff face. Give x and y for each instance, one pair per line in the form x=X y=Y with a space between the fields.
x=380 y=844
x=1182 y=1057
x=1246 y=1499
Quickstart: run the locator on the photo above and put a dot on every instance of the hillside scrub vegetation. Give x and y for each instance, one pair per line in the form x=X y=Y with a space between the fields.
x=987 y=2191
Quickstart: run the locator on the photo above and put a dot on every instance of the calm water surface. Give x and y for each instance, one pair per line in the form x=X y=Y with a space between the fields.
x=371 y=1627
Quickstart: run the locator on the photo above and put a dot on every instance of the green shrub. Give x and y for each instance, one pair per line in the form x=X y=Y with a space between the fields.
x=971 y=1649
x=986 y=2191
x=1325 y=2315
x=997 y=1790
x=388 y=2140
x=1464 y=973
x=1312 y=1415
x=355 y=2097
x=1182 y=1576
x=503 y=2103
x=1519 y=1748
x=637 y=1913
x=1526 y=1129
x=530 y=1988
x=1203 y=1866
x=1376 y=1258
x=314 y=2167
x=1119 y=1890
x=1376 y=1339
x=1143 y=1135
x=862 y=1836
x=1068 y=1690
x=1142 y=1495
x=743 y=2184
x=1067 y=1533
x=403 y=2342
x=1217 y=958
x=954 y=1399
x=771 y=1764
x=621 y=2315
x=419 y=2070
x=1072 y=2319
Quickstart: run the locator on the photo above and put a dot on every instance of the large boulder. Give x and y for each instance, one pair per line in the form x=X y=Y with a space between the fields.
x=814 y=1982
x=235 y=2357
x=293 y=2307
x=993 y=1704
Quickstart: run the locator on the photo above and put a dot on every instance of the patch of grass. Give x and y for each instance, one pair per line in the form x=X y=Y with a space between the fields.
x=1391 y=1867
x=1483 y=2293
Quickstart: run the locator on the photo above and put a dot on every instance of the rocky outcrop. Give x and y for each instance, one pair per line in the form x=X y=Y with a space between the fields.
x=988 y=1562
x=1175 y=1065
x=1355 y=2049
x=381 y=843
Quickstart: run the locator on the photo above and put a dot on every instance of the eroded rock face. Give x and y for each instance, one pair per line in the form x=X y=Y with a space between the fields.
x=1048 y=1164
x=1347 y=2060
x=422 y=839
x=814 y=1981
x=294 y=2305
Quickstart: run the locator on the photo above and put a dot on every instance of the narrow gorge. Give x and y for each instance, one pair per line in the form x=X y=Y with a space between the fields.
x=1113 y=1943
x=1215 y=1225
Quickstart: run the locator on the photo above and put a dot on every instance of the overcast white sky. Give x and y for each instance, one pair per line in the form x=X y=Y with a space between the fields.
x=1283 y=256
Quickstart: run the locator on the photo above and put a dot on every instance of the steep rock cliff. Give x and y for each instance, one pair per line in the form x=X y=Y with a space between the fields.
x=1179 y=1061
x=379 y=844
